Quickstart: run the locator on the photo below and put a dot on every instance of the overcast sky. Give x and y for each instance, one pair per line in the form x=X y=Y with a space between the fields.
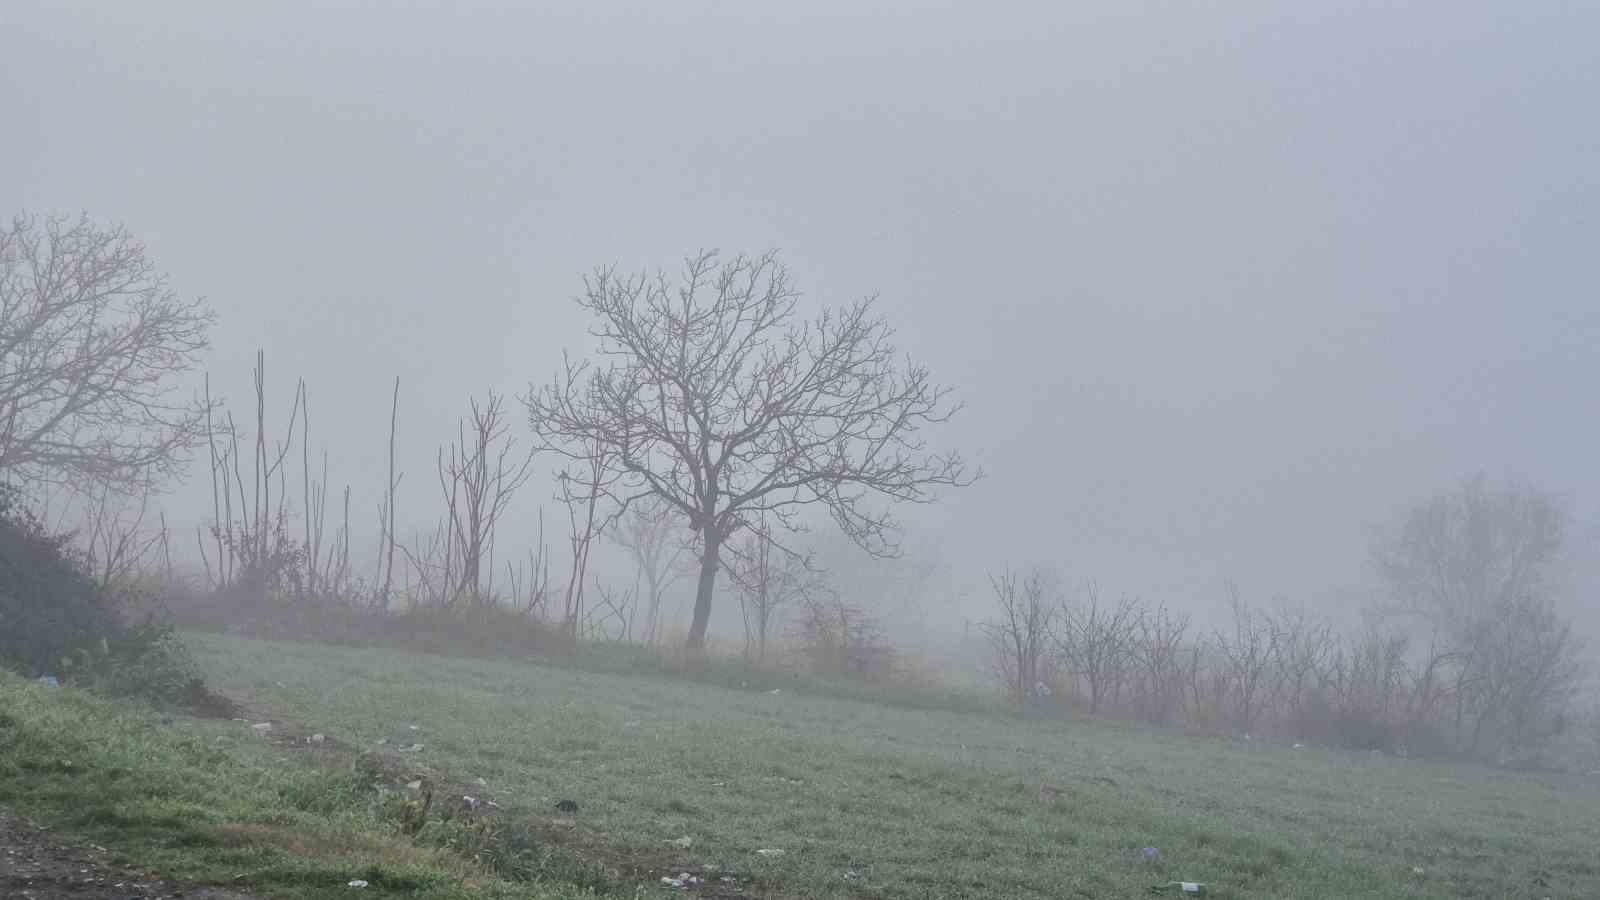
x=1223 y=290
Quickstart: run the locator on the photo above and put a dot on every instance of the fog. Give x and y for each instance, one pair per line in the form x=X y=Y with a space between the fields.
x=1222 y=291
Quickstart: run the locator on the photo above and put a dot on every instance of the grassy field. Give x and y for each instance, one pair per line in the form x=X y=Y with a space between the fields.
x=196 y=802
x=865 y=799
x=874 y=800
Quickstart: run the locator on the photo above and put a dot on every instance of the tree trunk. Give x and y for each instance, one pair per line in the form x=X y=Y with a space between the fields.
x=710 y=559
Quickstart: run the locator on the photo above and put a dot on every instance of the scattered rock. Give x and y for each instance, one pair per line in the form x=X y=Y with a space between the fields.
x=262 y=728
x=414 y=748
x=682 y=843
x=770 y=852
x=318 y=738
x=358 y=883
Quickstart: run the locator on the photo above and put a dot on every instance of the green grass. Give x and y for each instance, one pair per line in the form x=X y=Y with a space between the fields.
x=907 y=800
x=211 y=803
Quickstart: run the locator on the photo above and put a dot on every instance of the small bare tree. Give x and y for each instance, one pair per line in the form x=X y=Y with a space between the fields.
x=583 y=488
x=255 y=555
x=649 y=532
x=1096 y=641
x=612 y=607
x=1248 y=655
x=387 y=539
x=94 y=345
x=478 y=477
x=1022 y=634
x=482 y=475
x=1158 y=651
x=720 y=400
x=769 y=579
x=1305 y=650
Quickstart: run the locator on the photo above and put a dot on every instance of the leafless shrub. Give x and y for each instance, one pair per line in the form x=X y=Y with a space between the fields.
x=838 y=638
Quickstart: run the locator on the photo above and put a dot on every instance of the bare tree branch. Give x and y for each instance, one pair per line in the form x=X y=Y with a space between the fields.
x=93 y=348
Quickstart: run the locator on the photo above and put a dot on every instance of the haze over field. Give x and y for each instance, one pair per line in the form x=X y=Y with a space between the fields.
x=1222 y=291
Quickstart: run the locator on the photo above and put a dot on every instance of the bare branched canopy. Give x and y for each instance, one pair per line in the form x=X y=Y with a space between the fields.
x=93 y=348
x=1478 y=568
x=715 y=395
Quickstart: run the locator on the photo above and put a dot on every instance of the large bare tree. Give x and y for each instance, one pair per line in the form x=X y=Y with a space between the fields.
x=1479 y=568
x=94 y=346
x=715 y=395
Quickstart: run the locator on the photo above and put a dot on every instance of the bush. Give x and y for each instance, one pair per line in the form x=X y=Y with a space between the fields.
x=56 y=620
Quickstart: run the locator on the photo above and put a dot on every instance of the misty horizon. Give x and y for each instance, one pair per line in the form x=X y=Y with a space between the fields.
x=1222 y=295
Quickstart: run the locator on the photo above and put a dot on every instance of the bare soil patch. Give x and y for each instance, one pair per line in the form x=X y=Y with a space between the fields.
x=34 y=865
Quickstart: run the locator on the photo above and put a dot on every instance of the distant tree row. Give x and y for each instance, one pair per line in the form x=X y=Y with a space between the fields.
x=1466 y=653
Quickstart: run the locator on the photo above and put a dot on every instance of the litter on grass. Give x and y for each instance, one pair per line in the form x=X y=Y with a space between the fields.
x=683 y=880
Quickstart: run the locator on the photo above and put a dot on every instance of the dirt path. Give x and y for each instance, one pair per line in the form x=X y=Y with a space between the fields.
x=35 y=866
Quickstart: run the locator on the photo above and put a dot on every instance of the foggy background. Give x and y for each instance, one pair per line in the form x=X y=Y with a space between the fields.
x=1223 y=291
